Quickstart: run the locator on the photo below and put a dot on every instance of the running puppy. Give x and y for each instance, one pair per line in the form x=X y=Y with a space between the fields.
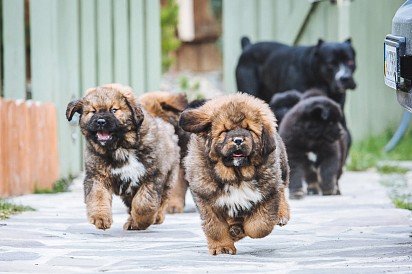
x=169 y=106
x=237 y=169
x=128 y=153
x=316 y=144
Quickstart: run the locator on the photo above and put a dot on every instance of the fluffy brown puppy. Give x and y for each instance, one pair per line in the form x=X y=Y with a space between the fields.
x=168 y=106
x=129 y=153
x=237 y=169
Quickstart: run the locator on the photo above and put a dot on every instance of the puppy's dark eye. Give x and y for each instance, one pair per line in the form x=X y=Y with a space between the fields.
x=113 y=110
x=93 y=111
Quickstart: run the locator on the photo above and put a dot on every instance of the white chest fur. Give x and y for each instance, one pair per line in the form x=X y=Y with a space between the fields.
x=131 y=171
x=239 y=198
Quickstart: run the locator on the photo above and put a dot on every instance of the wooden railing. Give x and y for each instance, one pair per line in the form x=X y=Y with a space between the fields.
x=28 y=146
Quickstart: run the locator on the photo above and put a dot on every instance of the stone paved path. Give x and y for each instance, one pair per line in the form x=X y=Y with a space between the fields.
x=359 y=232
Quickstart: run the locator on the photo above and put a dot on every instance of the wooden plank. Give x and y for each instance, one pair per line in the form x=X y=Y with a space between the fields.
x=43 y=49
x=68 y=71
x=104 y=42
x=137 y=46
x=14 y=49
x=266 y=20
x=231 y=43
x=121 y=41
x=2 y=150
x=153 y=44
x=88 y=44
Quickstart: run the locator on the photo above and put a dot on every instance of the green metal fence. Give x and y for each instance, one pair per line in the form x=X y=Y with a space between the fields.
x=372 y=107
x=74 y=45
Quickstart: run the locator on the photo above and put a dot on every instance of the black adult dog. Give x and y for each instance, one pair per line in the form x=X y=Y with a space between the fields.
x=267 y=68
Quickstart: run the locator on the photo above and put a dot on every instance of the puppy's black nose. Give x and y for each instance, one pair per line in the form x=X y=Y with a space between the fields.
x=101 y=122
x=238 y=140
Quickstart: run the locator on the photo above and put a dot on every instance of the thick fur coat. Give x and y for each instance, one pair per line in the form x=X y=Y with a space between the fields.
x=129 y=153
x=237 y=169
x=316 y=144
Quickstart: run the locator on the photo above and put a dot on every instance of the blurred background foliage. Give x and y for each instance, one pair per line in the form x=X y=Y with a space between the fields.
x=170 y=42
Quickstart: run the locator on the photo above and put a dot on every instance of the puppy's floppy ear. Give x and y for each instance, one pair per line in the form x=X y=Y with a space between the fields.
x=175 y=102
x=73 y=107
x=194 y=120
x=137 y=113
x=268 y=142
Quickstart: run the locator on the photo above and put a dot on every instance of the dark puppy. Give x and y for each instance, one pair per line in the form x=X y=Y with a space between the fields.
x=267 y=68
x=316 y=145
x=129 y=153
x=281 y=103
x=237 y=169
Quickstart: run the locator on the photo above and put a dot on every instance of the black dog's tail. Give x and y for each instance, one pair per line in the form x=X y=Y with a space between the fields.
x=245 y=41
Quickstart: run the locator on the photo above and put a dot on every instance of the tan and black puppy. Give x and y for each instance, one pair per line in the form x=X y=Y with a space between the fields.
x=128 y=153
x=237 y=169
x=168 y=106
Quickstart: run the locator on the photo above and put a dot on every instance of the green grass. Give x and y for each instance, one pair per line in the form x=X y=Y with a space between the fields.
x=366 y=154
x=7 y=209
x=61 y=185
x=402 y=203
x=388 y=169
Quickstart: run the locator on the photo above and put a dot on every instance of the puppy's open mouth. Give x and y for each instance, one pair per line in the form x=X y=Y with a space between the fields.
x=238 y=159
x=103 y=136
x=238 y=154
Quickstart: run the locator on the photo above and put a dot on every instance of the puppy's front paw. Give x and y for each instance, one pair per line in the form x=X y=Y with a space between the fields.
x=283 y=220
x=101 y=220
x=224 y=249
x=130 y=224
x=283 y=215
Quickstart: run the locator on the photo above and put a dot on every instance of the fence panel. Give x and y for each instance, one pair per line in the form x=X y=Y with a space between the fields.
x=137 y=45
x=88 y=40
x=153 y=44
x=104 y=41
x=75 y=45
x=28 y=147
x=121 y=41
x=14 y=50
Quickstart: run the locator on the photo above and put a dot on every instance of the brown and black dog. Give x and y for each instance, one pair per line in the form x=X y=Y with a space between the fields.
x=169 y=106
x=129 y=153
x=236 y=168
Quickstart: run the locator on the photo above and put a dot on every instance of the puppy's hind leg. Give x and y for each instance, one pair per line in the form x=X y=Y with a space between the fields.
x=177 y=194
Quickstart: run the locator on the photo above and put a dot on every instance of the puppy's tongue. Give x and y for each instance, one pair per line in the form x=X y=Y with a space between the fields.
x=103 y=135
x=238 y=154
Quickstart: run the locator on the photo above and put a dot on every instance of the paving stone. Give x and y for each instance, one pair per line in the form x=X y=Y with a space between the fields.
x=358 y=232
